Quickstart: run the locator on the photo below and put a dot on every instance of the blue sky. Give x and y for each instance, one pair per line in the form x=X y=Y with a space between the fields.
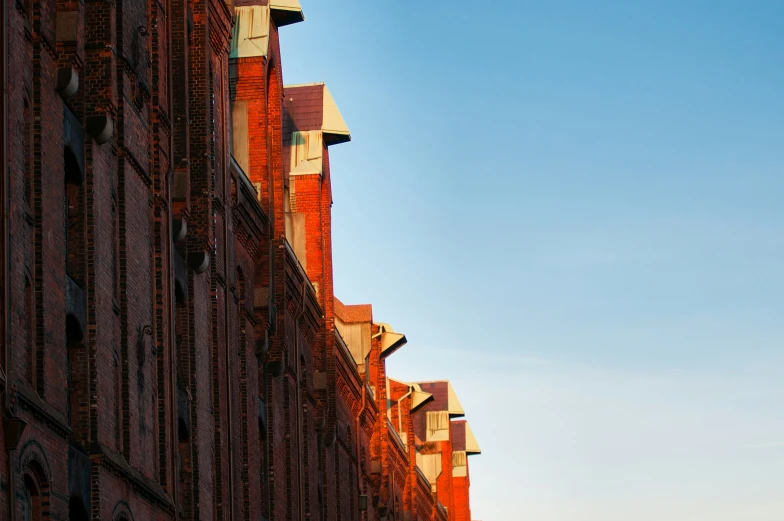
x=574 y=210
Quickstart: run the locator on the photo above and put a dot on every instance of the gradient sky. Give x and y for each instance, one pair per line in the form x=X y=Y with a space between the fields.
x=575 y=212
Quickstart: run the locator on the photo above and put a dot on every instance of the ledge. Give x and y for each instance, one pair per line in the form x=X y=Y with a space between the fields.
x=143 y=486
x=42 y=411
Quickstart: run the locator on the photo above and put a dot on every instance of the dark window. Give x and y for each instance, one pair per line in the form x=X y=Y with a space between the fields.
x=27 y=150
x=32 y=356
x=72 y=215
x=116 y=253
x=76 y=510
x=31 y=504
x=118 y=409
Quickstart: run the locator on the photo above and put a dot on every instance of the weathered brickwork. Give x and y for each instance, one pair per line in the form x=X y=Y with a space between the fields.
x=173 y=347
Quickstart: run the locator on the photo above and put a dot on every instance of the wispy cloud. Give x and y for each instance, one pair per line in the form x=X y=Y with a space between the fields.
x=769 y=445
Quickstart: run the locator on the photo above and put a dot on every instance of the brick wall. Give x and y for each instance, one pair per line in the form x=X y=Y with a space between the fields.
x=123 y=389
x=170 y=354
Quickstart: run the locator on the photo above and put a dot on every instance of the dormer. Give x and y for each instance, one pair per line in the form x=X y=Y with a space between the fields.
x=354 y=322
x=445 y=398
x=312 y=117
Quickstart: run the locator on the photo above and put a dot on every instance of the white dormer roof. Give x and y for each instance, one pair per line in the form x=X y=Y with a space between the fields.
x=455 y=408
x=286 y=12
x=334 y=124
x=390 y=341
x=471 y=445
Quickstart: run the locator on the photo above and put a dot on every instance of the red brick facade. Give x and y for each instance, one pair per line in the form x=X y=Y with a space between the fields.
x=173 y=347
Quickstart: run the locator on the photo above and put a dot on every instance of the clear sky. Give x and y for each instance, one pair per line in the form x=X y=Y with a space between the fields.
x=575 y=212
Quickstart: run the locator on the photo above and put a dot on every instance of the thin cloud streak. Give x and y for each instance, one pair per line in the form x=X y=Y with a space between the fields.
x=771 y=445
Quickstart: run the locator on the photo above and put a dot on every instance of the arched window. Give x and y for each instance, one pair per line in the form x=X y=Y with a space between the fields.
x=73 y=216
x=31 y=504
x=73 y=235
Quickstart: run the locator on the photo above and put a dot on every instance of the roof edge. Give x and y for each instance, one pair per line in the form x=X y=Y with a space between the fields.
x=286 y=12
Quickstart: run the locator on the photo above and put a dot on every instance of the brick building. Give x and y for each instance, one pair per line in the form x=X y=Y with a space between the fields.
x=172 y=343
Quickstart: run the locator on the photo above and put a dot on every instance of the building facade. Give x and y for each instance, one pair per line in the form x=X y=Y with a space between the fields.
x=172 y=344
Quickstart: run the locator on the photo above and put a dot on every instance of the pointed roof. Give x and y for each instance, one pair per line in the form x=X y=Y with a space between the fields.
x=352 y=313
x=445 y=397
x=310 y=106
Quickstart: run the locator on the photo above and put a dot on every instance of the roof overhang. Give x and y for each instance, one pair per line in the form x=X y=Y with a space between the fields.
x=418 y=396
x=454 y=406
x=335 y=128
x=471 y=445
x=418 y=399
x=286 y=12
x=390 y=341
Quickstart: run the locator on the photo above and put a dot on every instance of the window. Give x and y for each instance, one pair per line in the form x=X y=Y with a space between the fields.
x=115 y=254
x=76 y=510
x=118 y=409
x=72 y=214
x=31 y=504
x=27 y=505
x=71 y=378
x=32 y=355
x=27 y=150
